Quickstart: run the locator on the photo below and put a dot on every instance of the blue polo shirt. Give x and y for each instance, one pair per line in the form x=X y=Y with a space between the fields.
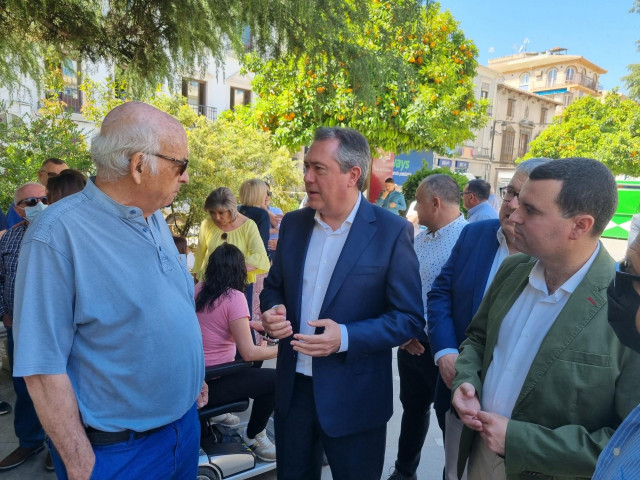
x=101 y=295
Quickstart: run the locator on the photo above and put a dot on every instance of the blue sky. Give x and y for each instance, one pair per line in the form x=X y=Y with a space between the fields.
x=603 y=31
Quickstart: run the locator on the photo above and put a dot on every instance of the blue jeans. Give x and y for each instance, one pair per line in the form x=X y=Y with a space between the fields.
x=171 y=453
x=25 y=420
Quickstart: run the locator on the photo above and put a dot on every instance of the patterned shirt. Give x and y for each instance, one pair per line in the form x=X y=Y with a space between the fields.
x=9 y=250
x=620 y=460
x=433 y=250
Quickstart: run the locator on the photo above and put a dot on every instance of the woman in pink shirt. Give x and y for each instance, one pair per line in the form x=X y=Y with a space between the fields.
x=223 y=314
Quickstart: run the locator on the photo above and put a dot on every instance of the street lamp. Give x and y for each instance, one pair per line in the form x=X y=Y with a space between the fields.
x=493 y=134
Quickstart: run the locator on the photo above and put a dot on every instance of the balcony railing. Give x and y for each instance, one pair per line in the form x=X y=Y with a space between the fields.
x=482 y=153
x=583 y=80
x=210 y=112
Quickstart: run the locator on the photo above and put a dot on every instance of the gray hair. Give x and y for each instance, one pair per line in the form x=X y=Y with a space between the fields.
x=353 y=151
x=112 y=150
x=223 y=198
x=528 y=165
x=442 y=186
x=588 y=187
x=15 y=194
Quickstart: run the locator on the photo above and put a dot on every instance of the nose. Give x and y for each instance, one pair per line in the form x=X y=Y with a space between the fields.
x=515 y=216
x=514 y=203
x=308 y=176
x=184 y=178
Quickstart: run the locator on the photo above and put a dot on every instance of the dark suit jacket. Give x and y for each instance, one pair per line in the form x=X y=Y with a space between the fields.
x=457 y=292
x=375 y=291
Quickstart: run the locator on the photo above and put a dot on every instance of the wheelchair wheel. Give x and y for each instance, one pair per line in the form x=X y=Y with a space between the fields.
x=206 y=473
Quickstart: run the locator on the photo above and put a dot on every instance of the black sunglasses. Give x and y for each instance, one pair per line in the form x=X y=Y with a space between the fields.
x=33 y=201
x=182 y=163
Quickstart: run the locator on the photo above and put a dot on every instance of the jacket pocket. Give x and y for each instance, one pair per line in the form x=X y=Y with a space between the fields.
x=587 y=358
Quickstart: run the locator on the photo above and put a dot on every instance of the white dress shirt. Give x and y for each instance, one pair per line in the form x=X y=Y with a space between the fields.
x=324 y=249
x=522 y=331
x=501 y=254
x=433 y=250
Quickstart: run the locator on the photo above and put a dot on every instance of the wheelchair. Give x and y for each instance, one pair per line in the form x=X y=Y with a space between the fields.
x=222 y=454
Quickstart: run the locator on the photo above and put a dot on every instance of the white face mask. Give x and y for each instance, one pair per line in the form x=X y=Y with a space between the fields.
x=32 y=212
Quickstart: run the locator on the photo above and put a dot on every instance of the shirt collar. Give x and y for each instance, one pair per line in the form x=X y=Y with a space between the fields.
x=537 y=281
x=444 y=230
x=108 y=203
x=348 y=221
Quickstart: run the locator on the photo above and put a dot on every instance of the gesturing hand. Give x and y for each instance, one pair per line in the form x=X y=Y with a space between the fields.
x=321 y=345
x=494 y=431
x=275 y=322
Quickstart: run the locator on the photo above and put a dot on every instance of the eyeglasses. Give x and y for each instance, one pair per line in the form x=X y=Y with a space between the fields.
x=49 y=174
x=268 y=194
x=507 y=194
x=182 y=163
x=32 y=201
x=466 y=193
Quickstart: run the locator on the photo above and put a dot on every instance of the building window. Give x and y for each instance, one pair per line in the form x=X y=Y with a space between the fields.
x=526 y=112
x=484 y=90
x=543 y=115
x=506 y=154
x=247 y=39
x=524 y=82
x=569 y=75
x=552 y=75
x=568 y=98
x=71 y=94
x=511 y=107
x=195 y=91
x=239 y=96
x=524 y=144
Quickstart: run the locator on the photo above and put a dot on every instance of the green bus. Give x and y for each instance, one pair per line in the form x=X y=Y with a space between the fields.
x=628 y=205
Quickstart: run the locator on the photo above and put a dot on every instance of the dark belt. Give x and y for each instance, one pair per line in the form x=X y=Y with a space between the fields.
x=98 y=437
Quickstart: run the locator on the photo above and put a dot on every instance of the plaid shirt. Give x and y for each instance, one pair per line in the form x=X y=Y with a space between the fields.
x=10 y=244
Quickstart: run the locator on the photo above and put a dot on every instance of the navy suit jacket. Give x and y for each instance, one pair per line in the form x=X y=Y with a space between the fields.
x=375 y=291
x=457 y=292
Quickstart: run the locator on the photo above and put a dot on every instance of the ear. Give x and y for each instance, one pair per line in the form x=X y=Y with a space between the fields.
x=582 y=225
x=135 y=167
x=354 y=175
x=436 y=202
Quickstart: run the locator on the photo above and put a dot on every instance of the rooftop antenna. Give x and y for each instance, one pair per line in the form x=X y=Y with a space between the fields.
x=523 y=47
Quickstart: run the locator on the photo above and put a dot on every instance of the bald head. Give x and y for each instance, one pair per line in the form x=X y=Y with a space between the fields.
x=131 y=128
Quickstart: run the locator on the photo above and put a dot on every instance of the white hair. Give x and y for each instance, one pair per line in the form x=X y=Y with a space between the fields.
x=19 y=189
x=112 y=151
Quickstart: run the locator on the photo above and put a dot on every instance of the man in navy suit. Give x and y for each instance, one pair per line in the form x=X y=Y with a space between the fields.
x=344 y=289
x=457 y=292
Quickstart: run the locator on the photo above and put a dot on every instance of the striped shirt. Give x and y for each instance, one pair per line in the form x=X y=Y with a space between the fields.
x=620 y=460
x=9 y=250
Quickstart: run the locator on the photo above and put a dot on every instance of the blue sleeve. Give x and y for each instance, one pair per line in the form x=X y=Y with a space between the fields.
x=441 y=329
x=404 y=316
x=43 y=324
x=401 y=203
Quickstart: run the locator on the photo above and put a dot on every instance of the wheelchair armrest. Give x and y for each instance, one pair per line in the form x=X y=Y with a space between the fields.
x=226 y=369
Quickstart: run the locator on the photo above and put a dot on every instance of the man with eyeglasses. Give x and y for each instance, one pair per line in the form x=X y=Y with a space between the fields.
x=29 y=200
x=50 y=168
x=115 y=304
x=455 y=297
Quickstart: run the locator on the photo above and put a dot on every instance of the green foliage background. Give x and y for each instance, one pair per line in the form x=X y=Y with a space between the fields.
x=424 y=100
x=412 y=182
x=607 y=130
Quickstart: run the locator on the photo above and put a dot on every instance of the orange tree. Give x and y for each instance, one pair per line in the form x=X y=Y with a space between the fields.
x=420 y=98
x=607 y=130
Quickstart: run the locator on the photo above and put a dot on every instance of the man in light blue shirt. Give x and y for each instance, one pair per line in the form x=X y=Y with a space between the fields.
x=111 y=349
x=475 y=198
x=391 y=199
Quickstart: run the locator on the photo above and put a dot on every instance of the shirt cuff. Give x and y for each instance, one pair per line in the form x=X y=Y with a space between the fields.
x=344 y=339
x=443 y=352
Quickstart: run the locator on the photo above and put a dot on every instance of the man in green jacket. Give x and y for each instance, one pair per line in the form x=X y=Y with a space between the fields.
x=542 y=381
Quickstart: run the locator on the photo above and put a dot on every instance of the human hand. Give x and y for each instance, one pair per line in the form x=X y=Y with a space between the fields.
x=7 y=320
x=203 y=397
x=393 y=204
x=447 y=367
x=83 y=469
x=273 y=244
x=465 y=401
x=494 y=431
x=321 y=345
x=275 y=322
x=413 y=346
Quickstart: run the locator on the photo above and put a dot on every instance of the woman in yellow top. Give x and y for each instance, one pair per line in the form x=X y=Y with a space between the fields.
x=227 y=225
